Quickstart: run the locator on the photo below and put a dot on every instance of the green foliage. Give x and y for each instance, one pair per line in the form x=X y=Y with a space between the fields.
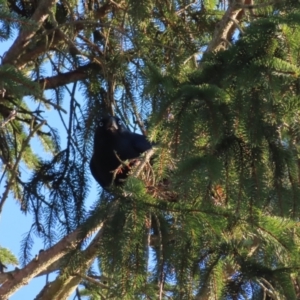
x=215 y=213
x=232 y=120
x=6 y=257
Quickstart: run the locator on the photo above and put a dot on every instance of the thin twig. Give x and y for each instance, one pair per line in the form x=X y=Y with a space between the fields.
x=94 y=281
x=185 y=8
x=10 y=117
x=56 y=106
x=146 y=159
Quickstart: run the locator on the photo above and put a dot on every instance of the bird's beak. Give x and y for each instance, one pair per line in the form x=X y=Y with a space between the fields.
x=111 y=124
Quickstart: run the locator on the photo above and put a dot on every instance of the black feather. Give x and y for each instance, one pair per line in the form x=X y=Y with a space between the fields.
x=114 y=143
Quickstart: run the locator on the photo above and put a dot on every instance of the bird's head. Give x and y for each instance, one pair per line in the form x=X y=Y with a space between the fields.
x=111 y=126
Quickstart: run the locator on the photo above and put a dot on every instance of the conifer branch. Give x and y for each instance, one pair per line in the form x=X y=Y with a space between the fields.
x=58 y=36
x=39 y=49
x=134 y=108
x=64 y=286
x=223 y=28
x=62 y=79
x=14 y=168
x=39 y=16
x=14 y=280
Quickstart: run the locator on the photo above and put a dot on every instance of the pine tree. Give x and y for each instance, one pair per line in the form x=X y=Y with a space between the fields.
x=215 y=85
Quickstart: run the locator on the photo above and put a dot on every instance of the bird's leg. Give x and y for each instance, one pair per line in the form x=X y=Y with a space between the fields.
x=124 y=167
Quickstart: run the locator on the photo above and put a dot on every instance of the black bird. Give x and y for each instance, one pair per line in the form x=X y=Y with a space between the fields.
x=113 y=144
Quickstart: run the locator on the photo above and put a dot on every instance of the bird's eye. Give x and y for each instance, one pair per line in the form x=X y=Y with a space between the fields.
x=119 y=122
x=100 y=124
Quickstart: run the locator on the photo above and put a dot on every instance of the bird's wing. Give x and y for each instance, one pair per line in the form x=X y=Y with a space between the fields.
x=100 y=173
x=140 y=143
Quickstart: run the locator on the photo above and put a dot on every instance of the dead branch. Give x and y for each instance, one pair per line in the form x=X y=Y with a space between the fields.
x=62 y=79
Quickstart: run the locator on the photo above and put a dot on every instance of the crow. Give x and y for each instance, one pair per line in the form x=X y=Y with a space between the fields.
x=114 y=144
